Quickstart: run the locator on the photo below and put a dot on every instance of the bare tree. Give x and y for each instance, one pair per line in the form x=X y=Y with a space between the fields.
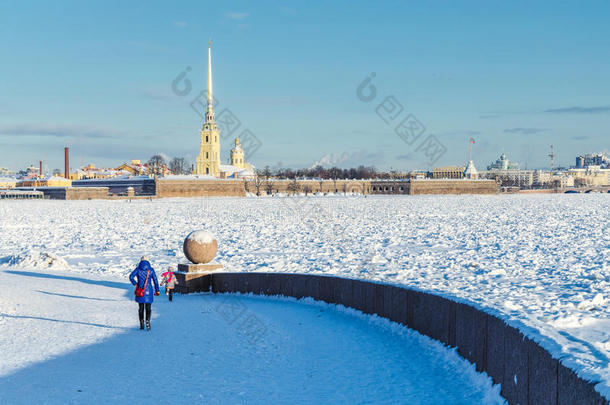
x=156 y=164
x=334 y=173
x=269 y=186
x=293 y=186
x=179 y=165
x=258 y=182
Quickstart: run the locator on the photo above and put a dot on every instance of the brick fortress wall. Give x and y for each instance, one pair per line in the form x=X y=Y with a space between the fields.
x=200 y=188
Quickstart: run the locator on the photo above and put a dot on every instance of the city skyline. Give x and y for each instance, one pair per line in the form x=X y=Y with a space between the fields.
x=103 y=81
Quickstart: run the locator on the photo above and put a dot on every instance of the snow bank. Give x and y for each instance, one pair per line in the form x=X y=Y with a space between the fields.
x=36 y=261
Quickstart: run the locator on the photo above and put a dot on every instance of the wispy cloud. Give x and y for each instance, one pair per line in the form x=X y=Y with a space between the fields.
x=489 y=116
x=331 y=159
x=181 y=24
x=232 y=15
x=349 y=159
x=525 y=131
x=580 y=110
x=580 y=137
x=59 y=131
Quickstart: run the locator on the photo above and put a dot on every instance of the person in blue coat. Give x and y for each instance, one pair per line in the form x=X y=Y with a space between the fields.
x=143 y=275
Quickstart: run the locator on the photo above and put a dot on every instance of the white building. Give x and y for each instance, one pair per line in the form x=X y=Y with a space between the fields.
x=503 y=164
x=590 y=176
x=515 y=178
x=471 y=172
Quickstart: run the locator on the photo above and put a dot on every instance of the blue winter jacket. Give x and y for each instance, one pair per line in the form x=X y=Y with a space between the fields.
x=139 y=276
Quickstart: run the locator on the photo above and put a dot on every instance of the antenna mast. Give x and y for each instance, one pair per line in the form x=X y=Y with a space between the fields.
x=552 y=156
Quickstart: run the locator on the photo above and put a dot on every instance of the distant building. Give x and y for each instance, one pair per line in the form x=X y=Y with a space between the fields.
x=547 y=179
x=590 y=176
x=593 y=159
x=510 y=178
x=542 y=178
x=508 y=173
x=30 y=171
x=448 y=172
x=562 y=180
x=417 y=174
x=135 y=168
x=7 y=182
x=51 y=181
x=503 y=164
x=92 y=172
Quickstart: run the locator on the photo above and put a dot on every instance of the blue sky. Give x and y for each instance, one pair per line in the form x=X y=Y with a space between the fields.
x=97 y=76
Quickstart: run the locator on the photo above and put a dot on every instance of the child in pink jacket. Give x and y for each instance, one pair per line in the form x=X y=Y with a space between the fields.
x=168 y=280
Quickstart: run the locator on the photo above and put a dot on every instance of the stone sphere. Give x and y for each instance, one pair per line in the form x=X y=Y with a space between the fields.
x=200 y=247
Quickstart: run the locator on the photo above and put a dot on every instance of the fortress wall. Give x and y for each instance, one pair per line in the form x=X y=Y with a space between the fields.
x=75 y=193
x=454 y=187
x=390 y=187
x=540 y=191
x=527 y=372
x=89 y=193
x=273 y=186
x=199 y=188
x=285 y=186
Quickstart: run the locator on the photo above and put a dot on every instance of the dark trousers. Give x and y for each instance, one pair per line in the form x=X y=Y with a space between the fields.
x=141 y=311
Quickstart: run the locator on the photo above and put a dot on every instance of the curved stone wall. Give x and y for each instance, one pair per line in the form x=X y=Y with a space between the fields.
x=527 y=372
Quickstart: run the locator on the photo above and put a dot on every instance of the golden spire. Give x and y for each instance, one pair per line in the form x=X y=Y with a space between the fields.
x=210 y=73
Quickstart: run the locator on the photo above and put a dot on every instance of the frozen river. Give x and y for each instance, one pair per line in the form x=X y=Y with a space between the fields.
x=540 y=261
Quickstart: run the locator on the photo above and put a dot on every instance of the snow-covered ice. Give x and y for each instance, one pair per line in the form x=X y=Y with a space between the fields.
x=540 y=261
x=71 y=338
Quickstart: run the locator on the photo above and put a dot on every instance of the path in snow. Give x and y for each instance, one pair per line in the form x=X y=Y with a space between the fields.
x=72 y=338
x=540 y=261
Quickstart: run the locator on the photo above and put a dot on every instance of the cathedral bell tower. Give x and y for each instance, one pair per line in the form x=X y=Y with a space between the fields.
x=208 y=161
x=237 y=155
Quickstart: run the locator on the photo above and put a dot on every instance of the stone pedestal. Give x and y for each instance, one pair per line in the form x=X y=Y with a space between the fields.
x=199 y=268
x=192 y=278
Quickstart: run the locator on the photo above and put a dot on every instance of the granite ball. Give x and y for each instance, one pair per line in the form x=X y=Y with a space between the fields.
x=200 y=247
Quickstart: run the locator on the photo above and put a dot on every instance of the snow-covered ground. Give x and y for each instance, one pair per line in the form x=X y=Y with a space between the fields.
x=71 y=338
x=540 y=261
